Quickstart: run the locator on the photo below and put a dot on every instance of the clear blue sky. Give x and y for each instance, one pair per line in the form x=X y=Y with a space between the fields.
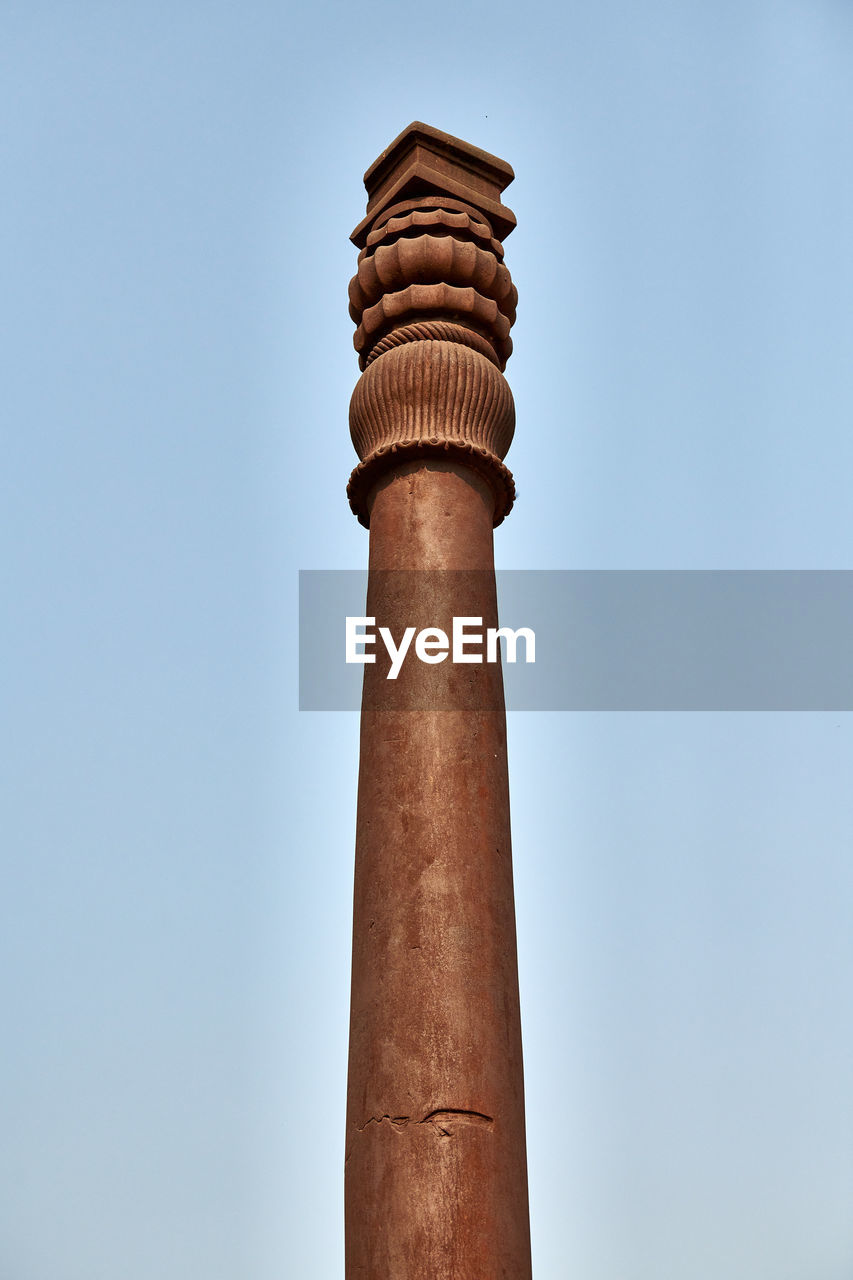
x=179 y=183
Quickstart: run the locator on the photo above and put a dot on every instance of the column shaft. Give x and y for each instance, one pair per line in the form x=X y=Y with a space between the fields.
x=436 y=1180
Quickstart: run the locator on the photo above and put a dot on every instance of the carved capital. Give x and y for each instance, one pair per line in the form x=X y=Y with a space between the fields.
x=433 y=304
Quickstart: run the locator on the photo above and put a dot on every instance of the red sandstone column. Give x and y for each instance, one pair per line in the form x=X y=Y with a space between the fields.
x=436 y=1175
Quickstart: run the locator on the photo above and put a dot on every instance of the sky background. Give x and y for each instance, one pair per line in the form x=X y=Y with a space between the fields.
x=179 y=183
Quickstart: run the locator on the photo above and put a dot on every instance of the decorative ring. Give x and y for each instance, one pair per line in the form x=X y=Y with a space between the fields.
x=370 y=469
x=436 y=331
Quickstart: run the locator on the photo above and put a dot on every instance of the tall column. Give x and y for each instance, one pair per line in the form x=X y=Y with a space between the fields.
x=436 y=1173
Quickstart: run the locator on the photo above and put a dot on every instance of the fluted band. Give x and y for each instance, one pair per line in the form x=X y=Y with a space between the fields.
x=440 y=331
x=432 y=397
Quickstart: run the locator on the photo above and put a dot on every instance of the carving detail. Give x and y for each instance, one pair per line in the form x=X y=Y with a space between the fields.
x=430 y=391
x=432 y=263
x=440 y=331
x=429 y=260
x=437 y=302
x=433 y=304
x=442 y=215
x=435 y=397
x=368 y=472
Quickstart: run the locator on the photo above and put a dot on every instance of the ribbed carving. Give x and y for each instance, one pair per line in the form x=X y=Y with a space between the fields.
x=439 y=331
x=432 y=391
x=432 y=397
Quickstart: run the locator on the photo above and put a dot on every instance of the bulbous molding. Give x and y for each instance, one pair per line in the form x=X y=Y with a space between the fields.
x=432 y=397
x=429 y=390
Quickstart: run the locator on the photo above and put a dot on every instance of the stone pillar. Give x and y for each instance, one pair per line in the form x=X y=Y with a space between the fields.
x=436 y=1173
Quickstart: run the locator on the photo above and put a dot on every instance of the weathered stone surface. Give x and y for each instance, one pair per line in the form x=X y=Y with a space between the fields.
x=436 y=1176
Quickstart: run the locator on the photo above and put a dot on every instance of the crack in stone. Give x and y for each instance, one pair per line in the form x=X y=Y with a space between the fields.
x=450 y=1114
x=438 y=1119
x=399 y=1122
